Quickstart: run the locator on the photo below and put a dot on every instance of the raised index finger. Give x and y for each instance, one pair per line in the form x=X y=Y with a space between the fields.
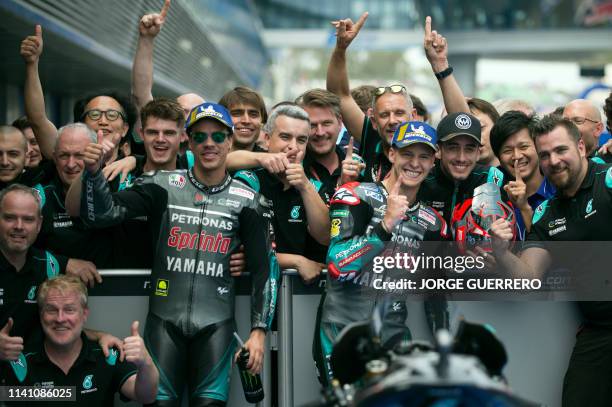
x=517 y=172
x=361 y=21
x=164 y=10
x=427 y=25
x=349 y=149
x=398 y=185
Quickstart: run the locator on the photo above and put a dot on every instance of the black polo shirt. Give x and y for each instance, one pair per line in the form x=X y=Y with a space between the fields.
x=371 y=149
x=316 y=171
x=18 y=290
x=289 y=221
x=586 y=216
x=96 y=377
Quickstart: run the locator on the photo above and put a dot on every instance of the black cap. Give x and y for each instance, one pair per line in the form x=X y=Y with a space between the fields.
x=457 y=124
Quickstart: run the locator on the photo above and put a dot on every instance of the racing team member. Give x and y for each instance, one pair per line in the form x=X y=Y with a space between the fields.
x=23 y=268
x=109 y=113
x=581 y=210
x=366 y=219
x=248 y=111
x=66 y=357
x=13 y=150
x=34 y=156
x=326 y=162
x=65 y=235
x=392 y=105
x=300 y=214
x=456 y=174
x=198 y=217
x=526 y=186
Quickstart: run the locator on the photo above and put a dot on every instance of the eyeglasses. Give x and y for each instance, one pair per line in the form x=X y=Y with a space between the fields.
x=96 y=114
x=581 y=120
x=217 y=136
x=393 y=89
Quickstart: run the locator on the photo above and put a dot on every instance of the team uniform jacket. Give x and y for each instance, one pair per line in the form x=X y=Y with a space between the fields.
x=196 y=228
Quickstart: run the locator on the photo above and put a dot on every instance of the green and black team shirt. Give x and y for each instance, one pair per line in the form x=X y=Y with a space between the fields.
x=586 y=216
x=371 y=149
x=18 y=289
x=289 y=219
x=97 y=378
x=315 y=170
x=443 y=194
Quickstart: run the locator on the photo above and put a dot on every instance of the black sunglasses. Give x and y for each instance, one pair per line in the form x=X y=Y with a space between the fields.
x=217 y=136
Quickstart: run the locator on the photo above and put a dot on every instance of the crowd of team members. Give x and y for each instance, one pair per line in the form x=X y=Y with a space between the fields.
x=322 y=182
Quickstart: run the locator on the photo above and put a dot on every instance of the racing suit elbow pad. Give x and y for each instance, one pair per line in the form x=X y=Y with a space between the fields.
x=97 y=207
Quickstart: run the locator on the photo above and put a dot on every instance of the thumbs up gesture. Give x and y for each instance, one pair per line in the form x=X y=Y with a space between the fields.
x=351 y=168
x=295 y=173
x=10 y=346
x=93 y=154
x=97 y=154
x=32 y=46
x=397 y=205
x=134 y=347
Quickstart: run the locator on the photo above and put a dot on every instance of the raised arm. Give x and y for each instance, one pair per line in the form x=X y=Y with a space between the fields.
x=337 y=74
x=274 y=163
x=142 y=69
x=436 y=50
x=44 y=131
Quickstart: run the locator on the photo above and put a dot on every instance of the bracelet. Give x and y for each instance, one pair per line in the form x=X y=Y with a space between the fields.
x=382 y=225
x=443 y=74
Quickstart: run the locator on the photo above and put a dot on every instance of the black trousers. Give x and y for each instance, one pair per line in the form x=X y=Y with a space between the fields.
x=588 y=380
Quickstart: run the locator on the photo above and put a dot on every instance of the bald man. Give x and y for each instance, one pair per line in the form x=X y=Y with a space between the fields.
x=13 y=148
x=586 y=116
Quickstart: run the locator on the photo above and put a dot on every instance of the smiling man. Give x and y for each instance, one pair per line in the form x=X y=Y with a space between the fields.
x=13 y=148
x=162 y=125
x=198 y=218
x=60 y=233
x=527 y=187
x=580 y=210
x=391 y=106
x=300 y=214
x=456 y=175
x=23 y=268
x=365 y=217
x=67 y=358
x=248 y=111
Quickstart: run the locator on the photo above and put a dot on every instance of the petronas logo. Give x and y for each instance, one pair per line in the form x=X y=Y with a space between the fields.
x=589 y=207
x=295 y=212
x=88 y=382
x=32 y=293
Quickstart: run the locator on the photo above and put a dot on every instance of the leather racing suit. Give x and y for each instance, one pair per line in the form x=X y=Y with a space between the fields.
x=191 y=307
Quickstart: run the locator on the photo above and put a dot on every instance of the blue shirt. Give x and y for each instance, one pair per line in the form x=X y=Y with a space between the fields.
x=544 y=192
